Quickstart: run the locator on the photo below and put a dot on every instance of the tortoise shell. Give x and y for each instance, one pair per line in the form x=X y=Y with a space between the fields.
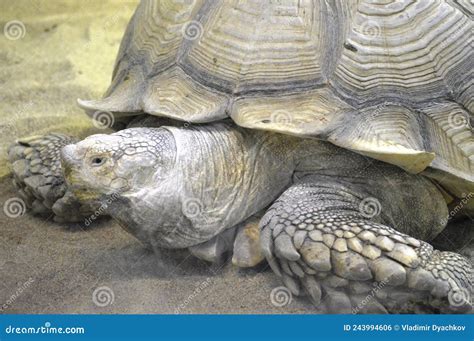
x=392 y=80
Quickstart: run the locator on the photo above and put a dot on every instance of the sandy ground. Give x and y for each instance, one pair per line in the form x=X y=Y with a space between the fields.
x=51 y=268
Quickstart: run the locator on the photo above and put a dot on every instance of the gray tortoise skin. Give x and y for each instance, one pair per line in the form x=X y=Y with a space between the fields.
x=360 y=139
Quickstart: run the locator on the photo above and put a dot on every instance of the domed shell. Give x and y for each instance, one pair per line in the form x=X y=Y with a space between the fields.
x=392 y=80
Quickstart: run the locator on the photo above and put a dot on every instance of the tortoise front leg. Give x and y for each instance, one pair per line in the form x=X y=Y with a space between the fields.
x=318 y=241
x=36 y=166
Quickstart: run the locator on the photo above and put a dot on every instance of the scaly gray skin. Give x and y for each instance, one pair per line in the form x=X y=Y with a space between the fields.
x=178 y=188
x=36 y=167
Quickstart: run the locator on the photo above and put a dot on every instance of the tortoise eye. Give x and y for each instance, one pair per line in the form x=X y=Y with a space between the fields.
x=98 y=161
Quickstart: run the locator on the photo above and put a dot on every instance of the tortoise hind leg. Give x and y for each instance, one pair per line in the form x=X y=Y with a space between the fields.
x=36 y=167
x=316 y=239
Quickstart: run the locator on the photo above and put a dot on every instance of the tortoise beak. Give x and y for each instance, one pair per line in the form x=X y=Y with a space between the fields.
x=69 y=162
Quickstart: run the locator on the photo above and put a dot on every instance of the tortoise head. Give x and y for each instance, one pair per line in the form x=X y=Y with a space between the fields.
x=120 y=163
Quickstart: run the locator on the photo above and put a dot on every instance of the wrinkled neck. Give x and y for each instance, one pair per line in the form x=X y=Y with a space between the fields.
x=225 y=174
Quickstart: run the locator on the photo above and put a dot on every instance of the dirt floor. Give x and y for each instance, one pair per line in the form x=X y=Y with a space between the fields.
x=51 y=268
